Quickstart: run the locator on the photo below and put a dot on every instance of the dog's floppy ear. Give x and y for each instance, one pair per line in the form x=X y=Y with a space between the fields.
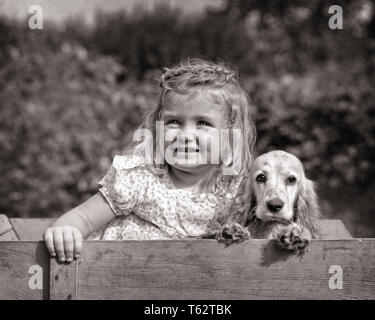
x=253 y=199
x=244 y=202
x=307 y=209
x=251 y=204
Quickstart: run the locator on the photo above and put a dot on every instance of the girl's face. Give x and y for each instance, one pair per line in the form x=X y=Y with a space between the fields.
x=192 y=126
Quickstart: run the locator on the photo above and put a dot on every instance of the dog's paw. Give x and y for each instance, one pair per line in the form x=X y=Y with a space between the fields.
x=232 y=233
x=292 y=237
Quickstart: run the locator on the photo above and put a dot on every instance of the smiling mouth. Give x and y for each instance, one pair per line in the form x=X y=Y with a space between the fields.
x=187 y=150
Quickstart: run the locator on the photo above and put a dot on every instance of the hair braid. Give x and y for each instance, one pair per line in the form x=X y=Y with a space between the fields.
x=196 y=68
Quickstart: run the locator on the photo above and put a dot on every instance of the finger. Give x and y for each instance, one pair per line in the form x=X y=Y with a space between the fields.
x=78 y=242
x=48 y=240
x=68 y=244
x=59 y=244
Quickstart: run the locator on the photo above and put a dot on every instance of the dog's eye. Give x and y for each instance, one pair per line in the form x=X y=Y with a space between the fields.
x=260 y=178
x=291 y=180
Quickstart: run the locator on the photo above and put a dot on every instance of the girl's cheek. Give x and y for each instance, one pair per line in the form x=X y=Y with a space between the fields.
x=170 y=134
x=211 y=138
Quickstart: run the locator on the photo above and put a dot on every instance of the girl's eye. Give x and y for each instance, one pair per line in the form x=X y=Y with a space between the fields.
x=173 y=121
x=261 y=178
x=291 y=180
x=203 y=123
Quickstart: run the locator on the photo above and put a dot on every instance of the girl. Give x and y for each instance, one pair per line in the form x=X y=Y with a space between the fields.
x=170 y=185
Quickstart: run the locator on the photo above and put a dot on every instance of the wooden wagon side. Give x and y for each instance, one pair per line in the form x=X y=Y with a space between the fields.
x=338 y=267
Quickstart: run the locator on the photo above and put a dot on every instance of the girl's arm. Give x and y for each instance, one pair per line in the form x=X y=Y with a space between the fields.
x=88 y=216
x=65 y=236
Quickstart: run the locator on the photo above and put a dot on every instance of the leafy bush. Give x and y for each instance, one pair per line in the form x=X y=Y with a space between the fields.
x=63 y=117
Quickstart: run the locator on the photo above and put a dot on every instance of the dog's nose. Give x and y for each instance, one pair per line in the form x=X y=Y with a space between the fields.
x=275 y=204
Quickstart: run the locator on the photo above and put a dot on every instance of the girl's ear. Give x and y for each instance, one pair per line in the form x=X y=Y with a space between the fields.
x=307 y=209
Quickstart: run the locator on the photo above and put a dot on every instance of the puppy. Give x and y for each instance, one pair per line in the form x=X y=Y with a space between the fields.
x=282 y=204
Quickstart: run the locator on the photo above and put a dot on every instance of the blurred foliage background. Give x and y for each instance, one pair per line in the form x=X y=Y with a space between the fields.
x=71 y=96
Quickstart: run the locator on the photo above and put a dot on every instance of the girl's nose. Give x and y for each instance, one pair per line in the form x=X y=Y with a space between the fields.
x=188 y=133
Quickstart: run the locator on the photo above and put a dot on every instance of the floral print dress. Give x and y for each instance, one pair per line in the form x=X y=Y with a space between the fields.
x=149 y=207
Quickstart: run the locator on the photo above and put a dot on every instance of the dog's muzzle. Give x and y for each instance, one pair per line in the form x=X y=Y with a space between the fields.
x=275 y=205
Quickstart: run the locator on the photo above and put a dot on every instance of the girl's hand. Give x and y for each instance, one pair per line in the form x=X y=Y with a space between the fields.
x=63 y=241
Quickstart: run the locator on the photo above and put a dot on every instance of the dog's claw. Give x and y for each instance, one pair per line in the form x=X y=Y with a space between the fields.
x=232 y=233
x=292 y=238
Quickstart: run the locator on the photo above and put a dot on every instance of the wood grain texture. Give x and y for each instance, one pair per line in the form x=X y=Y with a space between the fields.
x=16 y=258
x=205 y=269
x=9 y=236
x=5 y=225
x=31 y=228
x=333 y=229
x=63 y=277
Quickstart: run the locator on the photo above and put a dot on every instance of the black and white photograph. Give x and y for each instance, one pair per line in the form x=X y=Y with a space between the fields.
x=202 y=151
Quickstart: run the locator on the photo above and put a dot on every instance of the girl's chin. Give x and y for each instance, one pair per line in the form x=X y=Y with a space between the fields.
x=187 y=166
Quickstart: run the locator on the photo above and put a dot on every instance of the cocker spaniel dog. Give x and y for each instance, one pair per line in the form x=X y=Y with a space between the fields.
x=282 y=205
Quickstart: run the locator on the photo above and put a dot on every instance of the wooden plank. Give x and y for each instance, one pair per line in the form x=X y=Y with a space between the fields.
x=31 y=229
x=63 y=277
x=9 y=236
x=333 y=229
x=5 y=225
x=206 y=269
x=24 y=270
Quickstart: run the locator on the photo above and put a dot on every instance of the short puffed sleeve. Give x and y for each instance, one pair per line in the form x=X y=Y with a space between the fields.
x=125 y=184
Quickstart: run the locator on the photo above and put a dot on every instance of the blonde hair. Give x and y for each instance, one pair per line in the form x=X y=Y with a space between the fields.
x=221 y=84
